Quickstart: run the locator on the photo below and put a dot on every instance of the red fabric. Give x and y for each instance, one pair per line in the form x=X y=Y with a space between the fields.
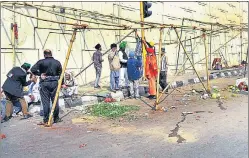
x=150 y=50
x=15 y=31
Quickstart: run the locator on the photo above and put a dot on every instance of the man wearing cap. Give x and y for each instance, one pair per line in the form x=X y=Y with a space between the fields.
x=164 y=70
x=13 y=90
x=123 y=57
x=97 y=60
x=50 y=70
x=114 y=63
x=151 y=68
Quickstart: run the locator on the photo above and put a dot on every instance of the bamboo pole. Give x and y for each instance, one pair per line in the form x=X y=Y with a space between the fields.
x=61 y=77
x=13 y=39
x=181 y=69
x=142 y=35
x=210 y=48
x=51 y=12
x=246 y=63
x=105 y=53
x=152 y=24
x=189 y=59
x=156 y=26
x=159 y=67
x=241 y=46
x=125 y=19
x=206 y=54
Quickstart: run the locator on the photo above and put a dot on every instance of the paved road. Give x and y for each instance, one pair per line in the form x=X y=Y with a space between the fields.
x=213 y=133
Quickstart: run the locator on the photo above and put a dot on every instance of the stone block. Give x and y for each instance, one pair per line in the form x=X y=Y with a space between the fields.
x=173 y=85
x=179 y=83
x=211 y=77
x=191 y=81
x=185 y=82
x=196 y=80
x=118 y=96
x=142 y=91
x=89 y=100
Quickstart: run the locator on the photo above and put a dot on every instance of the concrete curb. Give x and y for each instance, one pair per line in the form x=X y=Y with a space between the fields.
x=143 y=90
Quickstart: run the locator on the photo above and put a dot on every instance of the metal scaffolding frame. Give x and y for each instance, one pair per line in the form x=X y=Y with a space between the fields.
x=118 y=27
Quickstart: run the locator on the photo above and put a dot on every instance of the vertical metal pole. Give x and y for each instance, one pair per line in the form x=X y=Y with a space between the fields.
x=241 y=46
x=246 y=62
x=13 y=39
x=62 y=76
x=206 y=55
x=159 y=66
x=142 y=34
x=178 y=54
x=227 y=55
x=184 y=55
x=192 y=64
x=119 y=21
x=210 y=50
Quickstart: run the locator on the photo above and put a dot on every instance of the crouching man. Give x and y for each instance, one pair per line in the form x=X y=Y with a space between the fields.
x=13 y=90
x=71 y=88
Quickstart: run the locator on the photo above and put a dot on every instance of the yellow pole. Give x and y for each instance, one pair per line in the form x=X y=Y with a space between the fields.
x=159 y=66
x=13 y=39
x=192 y=64
x=62 y=76
x=206 y=54
x=142 y=34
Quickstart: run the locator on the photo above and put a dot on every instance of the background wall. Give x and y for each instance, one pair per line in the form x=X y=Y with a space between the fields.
x=35 y=36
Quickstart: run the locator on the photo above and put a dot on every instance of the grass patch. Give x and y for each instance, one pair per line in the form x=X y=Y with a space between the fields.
x=111 y=110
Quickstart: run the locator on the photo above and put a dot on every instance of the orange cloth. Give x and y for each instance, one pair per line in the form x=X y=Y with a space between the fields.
x=152 y=86
x=151 y=70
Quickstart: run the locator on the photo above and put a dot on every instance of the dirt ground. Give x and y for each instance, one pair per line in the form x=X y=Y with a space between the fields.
x=144 y=133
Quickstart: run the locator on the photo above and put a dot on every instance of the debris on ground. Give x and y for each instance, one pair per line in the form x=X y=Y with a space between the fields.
x=173 y=107
x=204 y=96
x=2 y=136
x=82 y=145
x=109 y=100
x=215 y=93
x=184 y=113
x=164 y=109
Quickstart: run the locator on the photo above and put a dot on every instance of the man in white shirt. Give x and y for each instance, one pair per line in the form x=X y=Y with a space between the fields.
x=34 y=92
x=164 y=70
x=123 y=57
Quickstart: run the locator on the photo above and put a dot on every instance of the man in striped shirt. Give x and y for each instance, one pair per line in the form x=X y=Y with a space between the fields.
x=164 y=70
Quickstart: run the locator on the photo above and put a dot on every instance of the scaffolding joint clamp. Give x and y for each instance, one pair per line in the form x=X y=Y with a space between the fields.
x=172 y=26
x=203 y=29
x=80 y=26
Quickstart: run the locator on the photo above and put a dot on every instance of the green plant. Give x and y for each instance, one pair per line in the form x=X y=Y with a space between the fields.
x=111 y=110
